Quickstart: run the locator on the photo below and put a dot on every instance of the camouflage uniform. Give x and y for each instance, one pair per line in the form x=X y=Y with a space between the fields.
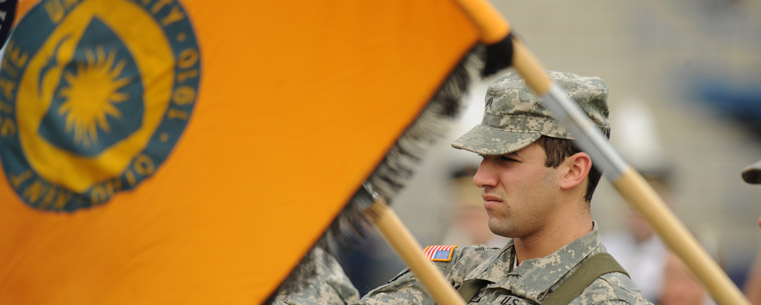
x=513 y=119
x=318 y=279
x=529 y=283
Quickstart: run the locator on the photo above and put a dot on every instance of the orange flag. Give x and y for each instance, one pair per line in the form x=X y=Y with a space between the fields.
x=190 y=152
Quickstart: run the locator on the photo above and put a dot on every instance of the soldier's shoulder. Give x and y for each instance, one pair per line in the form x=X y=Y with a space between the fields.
x=478 y=249
x=450 y=254
x=612 y=288
x=472 y=255
x=465 y=259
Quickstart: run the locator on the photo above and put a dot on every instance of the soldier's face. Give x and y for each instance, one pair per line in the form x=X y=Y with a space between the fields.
x=520 y=193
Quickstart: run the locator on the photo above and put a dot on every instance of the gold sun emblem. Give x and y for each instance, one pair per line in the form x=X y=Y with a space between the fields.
x=91 y=95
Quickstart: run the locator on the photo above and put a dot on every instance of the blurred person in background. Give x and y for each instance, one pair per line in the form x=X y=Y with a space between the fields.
x=469 y=223
x=661 y=275
x=752 y=175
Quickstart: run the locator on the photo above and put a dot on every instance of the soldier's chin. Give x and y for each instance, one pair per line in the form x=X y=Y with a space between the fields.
x=501 y=229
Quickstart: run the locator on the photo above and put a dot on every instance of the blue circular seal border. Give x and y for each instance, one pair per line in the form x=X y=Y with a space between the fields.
x=27 y=38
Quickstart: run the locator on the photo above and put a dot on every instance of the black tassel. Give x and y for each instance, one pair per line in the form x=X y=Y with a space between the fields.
x=498 y=56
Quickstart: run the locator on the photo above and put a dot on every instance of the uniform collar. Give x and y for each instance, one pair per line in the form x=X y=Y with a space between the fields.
x=534 y=278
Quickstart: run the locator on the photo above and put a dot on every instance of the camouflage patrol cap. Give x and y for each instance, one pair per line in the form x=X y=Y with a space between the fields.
x=514 y=117
x=752 y=173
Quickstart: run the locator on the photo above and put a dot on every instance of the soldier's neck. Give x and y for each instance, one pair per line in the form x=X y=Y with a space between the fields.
x=547 y=241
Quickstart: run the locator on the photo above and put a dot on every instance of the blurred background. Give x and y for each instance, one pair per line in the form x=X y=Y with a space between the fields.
x=685 y=97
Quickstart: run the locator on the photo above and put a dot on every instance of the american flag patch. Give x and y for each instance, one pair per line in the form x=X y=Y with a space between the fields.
x=439 y=253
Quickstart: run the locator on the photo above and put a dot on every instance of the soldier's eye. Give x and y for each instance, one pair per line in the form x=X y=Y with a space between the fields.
x=507 y=159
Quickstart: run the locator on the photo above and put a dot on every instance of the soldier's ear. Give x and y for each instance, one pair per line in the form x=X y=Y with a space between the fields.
x=575 y=170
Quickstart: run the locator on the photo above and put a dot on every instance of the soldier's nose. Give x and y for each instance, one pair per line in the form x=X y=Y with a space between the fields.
x=484 y=177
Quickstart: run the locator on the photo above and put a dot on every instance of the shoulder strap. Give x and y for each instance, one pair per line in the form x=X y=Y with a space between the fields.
x=588 y=272
x=470 y=288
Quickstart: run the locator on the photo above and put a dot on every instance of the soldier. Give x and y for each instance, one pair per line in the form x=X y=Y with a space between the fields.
x=752 y=289
x=537 y=186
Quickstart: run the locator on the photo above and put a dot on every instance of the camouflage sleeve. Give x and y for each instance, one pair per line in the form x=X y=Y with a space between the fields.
x=402 y=289
x=318 y=279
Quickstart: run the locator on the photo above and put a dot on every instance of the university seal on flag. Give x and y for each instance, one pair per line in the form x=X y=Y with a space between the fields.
x=94 y=94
